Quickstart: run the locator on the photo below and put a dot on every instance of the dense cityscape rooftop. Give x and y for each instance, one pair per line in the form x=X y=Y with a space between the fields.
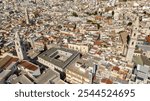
x=74 y=41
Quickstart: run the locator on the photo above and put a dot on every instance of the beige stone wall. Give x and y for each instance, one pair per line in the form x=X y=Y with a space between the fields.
x=81 y=48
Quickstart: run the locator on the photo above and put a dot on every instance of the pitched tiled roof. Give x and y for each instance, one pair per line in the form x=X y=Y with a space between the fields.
x=107 y=81
x=6 y=61
x=28 y=65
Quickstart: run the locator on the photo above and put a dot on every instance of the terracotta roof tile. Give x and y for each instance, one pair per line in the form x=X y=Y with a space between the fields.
x=106 y=80
x=115 y=68
x=6 y=61
x=148 y=38
x=28 y=65
x=97 y=43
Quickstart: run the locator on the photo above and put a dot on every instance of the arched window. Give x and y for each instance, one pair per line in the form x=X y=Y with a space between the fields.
x=17 y=44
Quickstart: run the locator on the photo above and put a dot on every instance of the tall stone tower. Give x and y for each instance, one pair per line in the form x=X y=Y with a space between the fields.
x=20 y=47
x=15 y=5
x=5 y=3
x=75 y=1
x=27 y=16
x=34 y=1
x=133 y=41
